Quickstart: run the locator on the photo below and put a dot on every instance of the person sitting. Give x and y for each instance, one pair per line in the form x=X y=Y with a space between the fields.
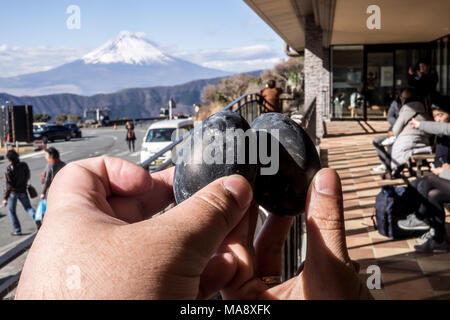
x=380 y=142
x=272 y=96
x=433 y=189
x=409 y=140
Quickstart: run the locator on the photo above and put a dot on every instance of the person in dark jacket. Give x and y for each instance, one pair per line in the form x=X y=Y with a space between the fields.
x=131 y=136
x=54 y=164
x=17 y=176
x=424 y=80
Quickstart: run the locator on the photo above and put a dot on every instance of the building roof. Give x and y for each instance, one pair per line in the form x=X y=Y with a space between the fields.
x=344 y=22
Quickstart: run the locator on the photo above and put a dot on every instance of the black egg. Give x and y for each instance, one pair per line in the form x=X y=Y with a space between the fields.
x=284 y=192
x=219 y=147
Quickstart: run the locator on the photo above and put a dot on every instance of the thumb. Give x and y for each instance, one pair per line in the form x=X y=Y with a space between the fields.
x=325 y=217
x=210 y=214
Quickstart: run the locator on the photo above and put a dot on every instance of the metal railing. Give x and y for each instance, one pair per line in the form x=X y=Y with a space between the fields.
x=295 y=246
x=250 y=106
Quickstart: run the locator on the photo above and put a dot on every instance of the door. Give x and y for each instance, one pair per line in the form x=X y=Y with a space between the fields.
x=379 y=84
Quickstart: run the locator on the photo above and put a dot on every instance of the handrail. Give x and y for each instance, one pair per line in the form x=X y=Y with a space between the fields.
x=309 y=112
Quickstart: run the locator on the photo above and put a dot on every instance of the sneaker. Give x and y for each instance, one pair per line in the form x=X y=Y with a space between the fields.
x=412 y=223
x=431 y=245
x=16 y=234
x=380 y=168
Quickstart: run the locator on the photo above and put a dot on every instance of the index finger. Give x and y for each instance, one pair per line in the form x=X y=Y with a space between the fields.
x=93 y=182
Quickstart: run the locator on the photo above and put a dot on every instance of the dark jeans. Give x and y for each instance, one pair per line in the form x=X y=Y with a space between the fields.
x=12 y=204
x=130 y=144
x=434 y=192
x=384 y=155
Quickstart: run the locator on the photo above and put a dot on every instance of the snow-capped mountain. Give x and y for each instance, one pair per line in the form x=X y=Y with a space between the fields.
x=128 y=61
x=129 y=48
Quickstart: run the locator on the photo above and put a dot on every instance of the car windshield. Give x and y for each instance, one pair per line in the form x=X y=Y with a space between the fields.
x=38 y=128
x=160 y=135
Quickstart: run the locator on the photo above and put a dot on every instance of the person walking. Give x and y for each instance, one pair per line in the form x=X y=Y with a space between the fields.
x=131 y=136
x=272 y=96
x=17 y=176
x=54 y=164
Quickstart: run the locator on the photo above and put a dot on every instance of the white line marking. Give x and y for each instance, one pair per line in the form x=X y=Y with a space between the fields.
x=33 y=155
x=122 y=154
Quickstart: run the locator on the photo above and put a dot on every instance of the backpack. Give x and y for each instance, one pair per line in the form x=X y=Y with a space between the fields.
x=394 y=204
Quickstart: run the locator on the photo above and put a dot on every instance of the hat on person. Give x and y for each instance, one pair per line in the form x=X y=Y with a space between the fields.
x=441 y=103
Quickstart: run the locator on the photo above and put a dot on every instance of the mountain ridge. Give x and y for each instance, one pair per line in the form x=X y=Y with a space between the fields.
x=131 y=102
x=129 y=60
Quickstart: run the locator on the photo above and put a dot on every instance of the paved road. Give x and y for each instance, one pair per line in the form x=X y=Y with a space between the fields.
x=95 y=142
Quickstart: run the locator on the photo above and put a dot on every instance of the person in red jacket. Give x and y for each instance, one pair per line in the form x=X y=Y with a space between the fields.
x=272 y=96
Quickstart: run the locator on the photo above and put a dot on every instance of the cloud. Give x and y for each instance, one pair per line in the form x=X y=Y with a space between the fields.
x=235 y=59
x=16 y=60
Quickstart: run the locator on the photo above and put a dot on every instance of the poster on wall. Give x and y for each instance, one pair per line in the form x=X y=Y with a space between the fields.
x=387 y=76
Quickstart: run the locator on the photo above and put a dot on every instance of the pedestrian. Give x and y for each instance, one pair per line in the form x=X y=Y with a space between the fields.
x=272 y=96
x=131 y=136
x=17 y=176
x=54 y=164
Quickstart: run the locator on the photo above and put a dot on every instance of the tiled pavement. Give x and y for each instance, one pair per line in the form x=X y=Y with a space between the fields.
x=405 y=274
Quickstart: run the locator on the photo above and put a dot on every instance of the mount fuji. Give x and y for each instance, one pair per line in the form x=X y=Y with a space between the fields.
x=128 y=61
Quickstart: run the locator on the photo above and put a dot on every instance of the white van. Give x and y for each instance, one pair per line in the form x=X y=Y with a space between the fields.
x=159 y=136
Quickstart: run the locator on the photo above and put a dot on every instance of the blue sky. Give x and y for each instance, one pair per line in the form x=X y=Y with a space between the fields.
x=34 y=36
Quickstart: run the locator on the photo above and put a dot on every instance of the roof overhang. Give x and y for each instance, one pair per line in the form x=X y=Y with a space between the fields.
x=344 y=22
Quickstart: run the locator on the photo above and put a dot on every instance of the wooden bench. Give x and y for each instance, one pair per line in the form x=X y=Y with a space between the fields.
x=420 y=161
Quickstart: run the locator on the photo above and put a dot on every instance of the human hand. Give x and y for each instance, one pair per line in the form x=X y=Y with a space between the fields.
x=390 y=134
x=437 y=171
x=100 y=226
x=42 y=196
x=446 y=166
x=327 y=273
x=5 y=203
x=414 y=123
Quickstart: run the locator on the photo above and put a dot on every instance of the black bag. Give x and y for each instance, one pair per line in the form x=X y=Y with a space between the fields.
x=32 y=191
x=394 y=204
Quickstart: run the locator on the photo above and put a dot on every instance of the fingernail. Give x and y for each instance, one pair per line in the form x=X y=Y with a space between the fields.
x=239 y=187
x=327 y=182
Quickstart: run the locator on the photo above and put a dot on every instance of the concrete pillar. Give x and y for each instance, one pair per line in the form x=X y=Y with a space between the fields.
x=317 y=73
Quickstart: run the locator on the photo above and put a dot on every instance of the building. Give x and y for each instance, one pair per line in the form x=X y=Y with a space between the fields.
x=360 y=51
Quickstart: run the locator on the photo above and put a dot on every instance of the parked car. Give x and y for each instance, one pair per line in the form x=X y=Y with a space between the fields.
x=159 y=136
x=38 y=125
x=52 y=132
x=76 y=132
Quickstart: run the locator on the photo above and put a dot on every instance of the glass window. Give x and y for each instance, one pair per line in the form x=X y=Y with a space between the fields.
x=160 y=135
x=444 y=81
x=348 y=64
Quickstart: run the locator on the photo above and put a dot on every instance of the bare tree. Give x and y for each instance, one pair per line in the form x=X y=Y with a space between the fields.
x=209 y=94
x=233 y=87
